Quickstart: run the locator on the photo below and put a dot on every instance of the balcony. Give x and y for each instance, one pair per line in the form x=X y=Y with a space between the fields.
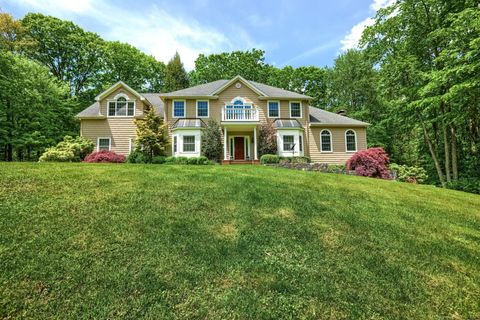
x=239 y=114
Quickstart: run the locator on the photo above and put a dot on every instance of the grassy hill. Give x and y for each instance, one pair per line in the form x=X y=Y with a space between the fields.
x=130 y=241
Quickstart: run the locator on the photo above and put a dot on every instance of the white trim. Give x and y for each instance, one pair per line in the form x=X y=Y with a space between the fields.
x=109 y=143
x=225 y=147
x=184 y=108
x=208 y=108
x=180 y=134
x=194 y=143
x=331 y=143
x=247 y=147
x=296 y=137
x=116 y=86
x=255 y=152
x=127 y=100
x=290 y=109
x=245 y=82
x=356 y=141
x=268 y=108
x=121 y=95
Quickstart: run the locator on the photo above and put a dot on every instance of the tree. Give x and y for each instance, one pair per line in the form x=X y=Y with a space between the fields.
x=415 y=45
x=267 y=139
x=212 y=141
x=12 y=34
x=70 y=53
x=35 y=108
x=128 y=64
x=248 y=64
x=152 y=136
x=176 y=77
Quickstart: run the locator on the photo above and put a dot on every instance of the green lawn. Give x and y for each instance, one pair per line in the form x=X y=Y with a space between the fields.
x=224 y=242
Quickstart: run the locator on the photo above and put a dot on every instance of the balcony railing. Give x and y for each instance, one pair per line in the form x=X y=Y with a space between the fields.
x=240 y=114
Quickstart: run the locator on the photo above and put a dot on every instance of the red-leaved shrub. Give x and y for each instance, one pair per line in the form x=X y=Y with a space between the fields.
x=104 y=156
x=370 y=163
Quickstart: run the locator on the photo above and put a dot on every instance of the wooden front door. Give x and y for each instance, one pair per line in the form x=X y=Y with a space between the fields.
x=239 y=148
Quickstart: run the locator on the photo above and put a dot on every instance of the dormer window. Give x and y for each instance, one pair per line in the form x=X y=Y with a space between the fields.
x=121 y=106
x=239 y=103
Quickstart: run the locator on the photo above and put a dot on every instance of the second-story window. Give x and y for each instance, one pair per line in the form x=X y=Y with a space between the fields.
x=121 y=107
x=202 y=109
x=178 y=108
x=295 y=110
x=273 y=109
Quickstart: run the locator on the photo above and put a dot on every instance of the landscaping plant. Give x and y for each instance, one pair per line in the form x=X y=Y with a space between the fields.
x=267 y=139
x=105 y=156
x=68 y=150
x=212 y=141
x=372 y=162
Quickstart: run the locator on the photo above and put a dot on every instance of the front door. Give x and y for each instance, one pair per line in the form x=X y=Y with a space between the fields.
x=239 y=148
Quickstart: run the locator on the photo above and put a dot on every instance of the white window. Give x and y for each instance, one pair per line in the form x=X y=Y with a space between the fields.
x=325 y=141
x=295 y=110
x=273 y=109
x=350 y=141
x=300 y=143
x=175 y=144
x=131 y=144
x=178 y=108
x=188 y=143
x=202 y=109
x=103 y=144
x=121 y=107
x=288 y=143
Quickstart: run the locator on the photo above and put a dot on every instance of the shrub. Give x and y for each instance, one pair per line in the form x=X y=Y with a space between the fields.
x=409 y=174
x=269 y=159
x=295 y=160
x=370 y=163
x=471 y=185
x=55 y=155
x=192 y=160
x=105 y=156
x=68 y=150
x=267 y=139
x=158 y=160
x=203 y=160
x=212 y=141
x=152 y=134
x=170 y=160
x=137 y=156
x=181 y=160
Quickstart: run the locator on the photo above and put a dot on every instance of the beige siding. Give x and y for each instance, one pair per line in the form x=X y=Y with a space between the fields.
x=120 y=132
x=338 y=156
x=119 y=129
x=225 y=97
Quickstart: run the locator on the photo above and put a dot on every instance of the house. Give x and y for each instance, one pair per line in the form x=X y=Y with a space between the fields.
x=240 y=107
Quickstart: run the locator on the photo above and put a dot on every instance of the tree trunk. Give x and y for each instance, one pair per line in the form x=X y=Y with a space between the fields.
x=9 y=152
x=446 y=146
x=454 y=154
x=434 y=156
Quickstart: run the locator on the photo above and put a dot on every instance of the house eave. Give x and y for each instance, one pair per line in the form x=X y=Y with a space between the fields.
x=358 y=125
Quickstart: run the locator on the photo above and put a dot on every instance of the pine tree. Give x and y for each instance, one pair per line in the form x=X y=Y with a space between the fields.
x=152 y=137
x=176 y=77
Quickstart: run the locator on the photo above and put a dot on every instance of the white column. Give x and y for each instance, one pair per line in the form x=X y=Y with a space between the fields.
x=255 y=144
x=225 y=143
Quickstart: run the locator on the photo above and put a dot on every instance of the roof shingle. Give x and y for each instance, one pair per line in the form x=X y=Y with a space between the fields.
x=320 y=116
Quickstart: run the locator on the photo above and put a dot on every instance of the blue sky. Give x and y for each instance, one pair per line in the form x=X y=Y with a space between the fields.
x=292 y=32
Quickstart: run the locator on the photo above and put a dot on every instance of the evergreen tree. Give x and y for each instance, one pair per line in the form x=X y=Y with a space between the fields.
x=152 y=136
x=176 y=77
x=267 y=139
x=212 y=141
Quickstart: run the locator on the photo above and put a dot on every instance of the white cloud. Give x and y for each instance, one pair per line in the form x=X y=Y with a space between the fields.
x=353 y=37
x=152 y=30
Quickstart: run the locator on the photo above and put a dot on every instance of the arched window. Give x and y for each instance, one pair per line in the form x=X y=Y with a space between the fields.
x=350 y=141
x=325 y=141
x=120 y=106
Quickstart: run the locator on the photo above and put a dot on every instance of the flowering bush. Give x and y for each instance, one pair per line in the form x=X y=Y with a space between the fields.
x=409 y=174
x=104 y=156
x=370 y=163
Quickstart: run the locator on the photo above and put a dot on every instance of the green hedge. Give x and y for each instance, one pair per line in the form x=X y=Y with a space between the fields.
x=269 y=159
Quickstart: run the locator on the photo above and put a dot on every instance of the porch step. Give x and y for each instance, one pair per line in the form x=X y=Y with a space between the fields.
x=240 y=162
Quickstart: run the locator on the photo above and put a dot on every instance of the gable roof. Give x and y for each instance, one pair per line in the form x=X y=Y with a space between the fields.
x=211 y=89
x=115 y=87
x=153 y=99
x=322 y=117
